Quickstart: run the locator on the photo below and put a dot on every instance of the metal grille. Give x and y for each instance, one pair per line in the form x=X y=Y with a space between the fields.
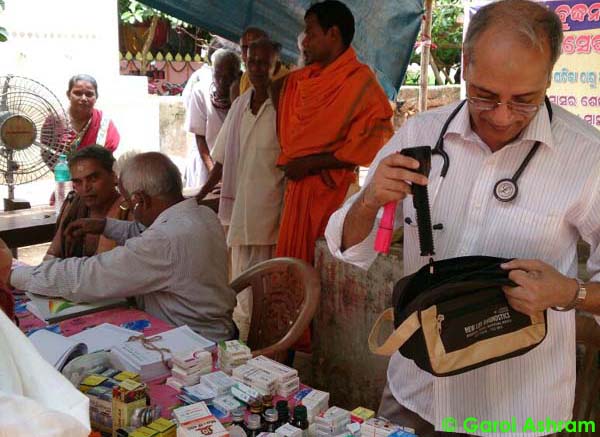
x=30 y=99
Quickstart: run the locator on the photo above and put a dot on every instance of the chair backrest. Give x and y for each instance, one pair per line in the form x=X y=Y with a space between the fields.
x=587 y=389
x=285 y=295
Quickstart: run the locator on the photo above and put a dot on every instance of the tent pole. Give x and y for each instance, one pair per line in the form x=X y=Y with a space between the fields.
x=425 y=47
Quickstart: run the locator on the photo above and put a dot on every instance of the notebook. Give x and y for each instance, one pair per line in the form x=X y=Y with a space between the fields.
x=55 y=309
x=55 y=348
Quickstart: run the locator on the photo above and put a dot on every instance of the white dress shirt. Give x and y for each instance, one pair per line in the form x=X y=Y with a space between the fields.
x=558 y=201
x=260 y=183
x=176 y=269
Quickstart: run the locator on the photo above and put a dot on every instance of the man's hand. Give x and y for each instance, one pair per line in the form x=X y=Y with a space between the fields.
x=392 y=181
x=79 y=228
x=539 y=286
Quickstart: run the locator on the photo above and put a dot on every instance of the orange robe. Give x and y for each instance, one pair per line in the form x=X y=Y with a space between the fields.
x=339 y=109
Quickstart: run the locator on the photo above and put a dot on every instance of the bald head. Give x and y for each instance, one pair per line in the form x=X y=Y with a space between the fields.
x=523 y=22
x=250 y=34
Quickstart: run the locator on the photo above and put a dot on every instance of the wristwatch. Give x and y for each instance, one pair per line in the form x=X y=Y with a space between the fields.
x=579 y=297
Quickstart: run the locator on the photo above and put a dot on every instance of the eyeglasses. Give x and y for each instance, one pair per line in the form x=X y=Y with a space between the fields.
x=489 y=105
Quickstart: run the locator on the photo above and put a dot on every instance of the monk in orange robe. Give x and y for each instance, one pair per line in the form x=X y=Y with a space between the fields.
x=332 y=117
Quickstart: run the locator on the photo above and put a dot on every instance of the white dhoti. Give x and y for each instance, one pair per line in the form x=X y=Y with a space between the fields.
x=242 y=258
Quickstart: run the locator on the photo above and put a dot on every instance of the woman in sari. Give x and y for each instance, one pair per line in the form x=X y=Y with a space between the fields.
x=87 y=125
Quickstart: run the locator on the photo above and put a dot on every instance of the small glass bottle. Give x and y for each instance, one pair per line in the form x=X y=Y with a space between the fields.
x=254 y=425
x=237 y=418
x=300 y=419
x=267 y=402
x=271 y=420
x=256 y=407
x=283 y=412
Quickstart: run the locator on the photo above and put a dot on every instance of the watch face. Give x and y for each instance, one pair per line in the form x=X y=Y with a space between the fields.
x=581 y=294
x=505 y=190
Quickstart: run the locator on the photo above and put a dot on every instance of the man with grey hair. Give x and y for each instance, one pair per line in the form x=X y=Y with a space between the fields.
x=206 y=110
x=245 y=155
x=523 y=182
x=172 y=259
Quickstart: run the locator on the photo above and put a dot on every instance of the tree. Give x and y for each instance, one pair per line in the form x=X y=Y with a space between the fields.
x=447 y=32
x=446 y=36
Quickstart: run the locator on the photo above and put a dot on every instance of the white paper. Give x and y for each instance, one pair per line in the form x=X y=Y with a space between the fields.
x=55 y=348
x=103 y=337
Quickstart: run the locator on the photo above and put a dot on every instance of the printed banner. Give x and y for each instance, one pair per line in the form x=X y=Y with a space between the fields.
x=575 y=79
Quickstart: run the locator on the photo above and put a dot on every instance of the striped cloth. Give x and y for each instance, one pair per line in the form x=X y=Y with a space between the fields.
x=558 y=202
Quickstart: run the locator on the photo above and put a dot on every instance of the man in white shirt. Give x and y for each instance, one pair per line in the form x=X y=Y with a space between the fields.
x=172 y=259
x=509 y=51
x=246 y=153
x=207 y=109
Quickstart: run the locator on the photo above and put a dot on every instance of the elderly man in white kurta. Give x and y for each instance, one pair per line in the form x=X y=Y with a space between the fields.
x=206 y=109
x=245 y=155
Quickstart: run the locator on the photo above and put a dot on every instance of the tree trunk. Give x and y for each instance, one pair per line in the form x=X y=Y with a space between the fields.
x=426 y=45
x=148 y=44
x=436 y=71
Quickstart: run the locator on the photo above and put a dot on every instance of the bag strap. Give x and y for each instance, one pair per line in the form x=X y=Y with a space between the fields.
x=397 y=338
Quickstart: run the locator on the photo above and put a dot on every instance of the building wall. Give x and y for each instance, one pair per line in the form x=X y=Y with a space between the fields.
x=50 y=41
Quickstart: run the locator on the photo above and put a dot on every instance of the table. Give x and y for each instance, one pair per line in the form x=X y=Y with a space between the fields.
x=160 y=393
x=26 y=227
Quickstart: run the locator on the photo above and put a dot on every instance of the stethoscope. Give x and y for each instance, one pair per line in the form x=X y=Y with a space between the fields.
x=505 y=190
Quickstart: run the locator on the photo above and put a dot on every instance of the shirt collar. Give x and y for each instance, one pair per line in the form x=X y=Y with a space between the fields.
x=539 y=129
x=176 y=210
x=266 y=103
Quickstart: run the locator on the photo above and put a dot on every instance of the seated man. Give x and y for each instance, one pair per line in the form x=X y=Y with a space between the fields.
x=176 y=269
x=95 y=196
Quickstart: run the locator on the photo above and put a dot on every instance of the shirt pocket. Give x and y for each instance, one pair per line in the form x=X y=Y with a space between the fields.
x=514 y=231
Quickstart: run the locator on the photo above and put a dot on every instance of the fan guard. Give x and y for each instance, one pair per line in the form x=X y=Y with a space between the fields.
x=33 y=125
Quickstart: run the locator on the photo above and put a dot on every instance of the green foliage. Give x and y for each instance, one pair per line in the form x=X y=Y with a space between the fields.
x=133 y=11
x=447 y=36
x=3 y=31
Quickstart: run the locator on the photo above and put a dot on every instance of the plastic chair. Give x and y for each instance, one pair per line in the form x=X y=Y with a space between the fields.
x=587 y=389
x=285 y=295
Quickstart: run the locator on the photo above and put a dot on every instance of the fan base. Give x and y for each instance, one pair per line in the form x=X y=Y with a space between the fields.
x=15 y=204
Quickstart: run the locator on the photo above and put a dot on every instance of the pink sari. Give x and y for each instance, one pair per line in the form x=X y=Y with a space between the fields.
x=99 y=130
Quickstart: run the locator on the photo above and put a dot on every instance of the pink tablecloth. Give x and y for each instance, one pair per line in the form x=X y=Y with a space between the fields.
x=131 y=318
